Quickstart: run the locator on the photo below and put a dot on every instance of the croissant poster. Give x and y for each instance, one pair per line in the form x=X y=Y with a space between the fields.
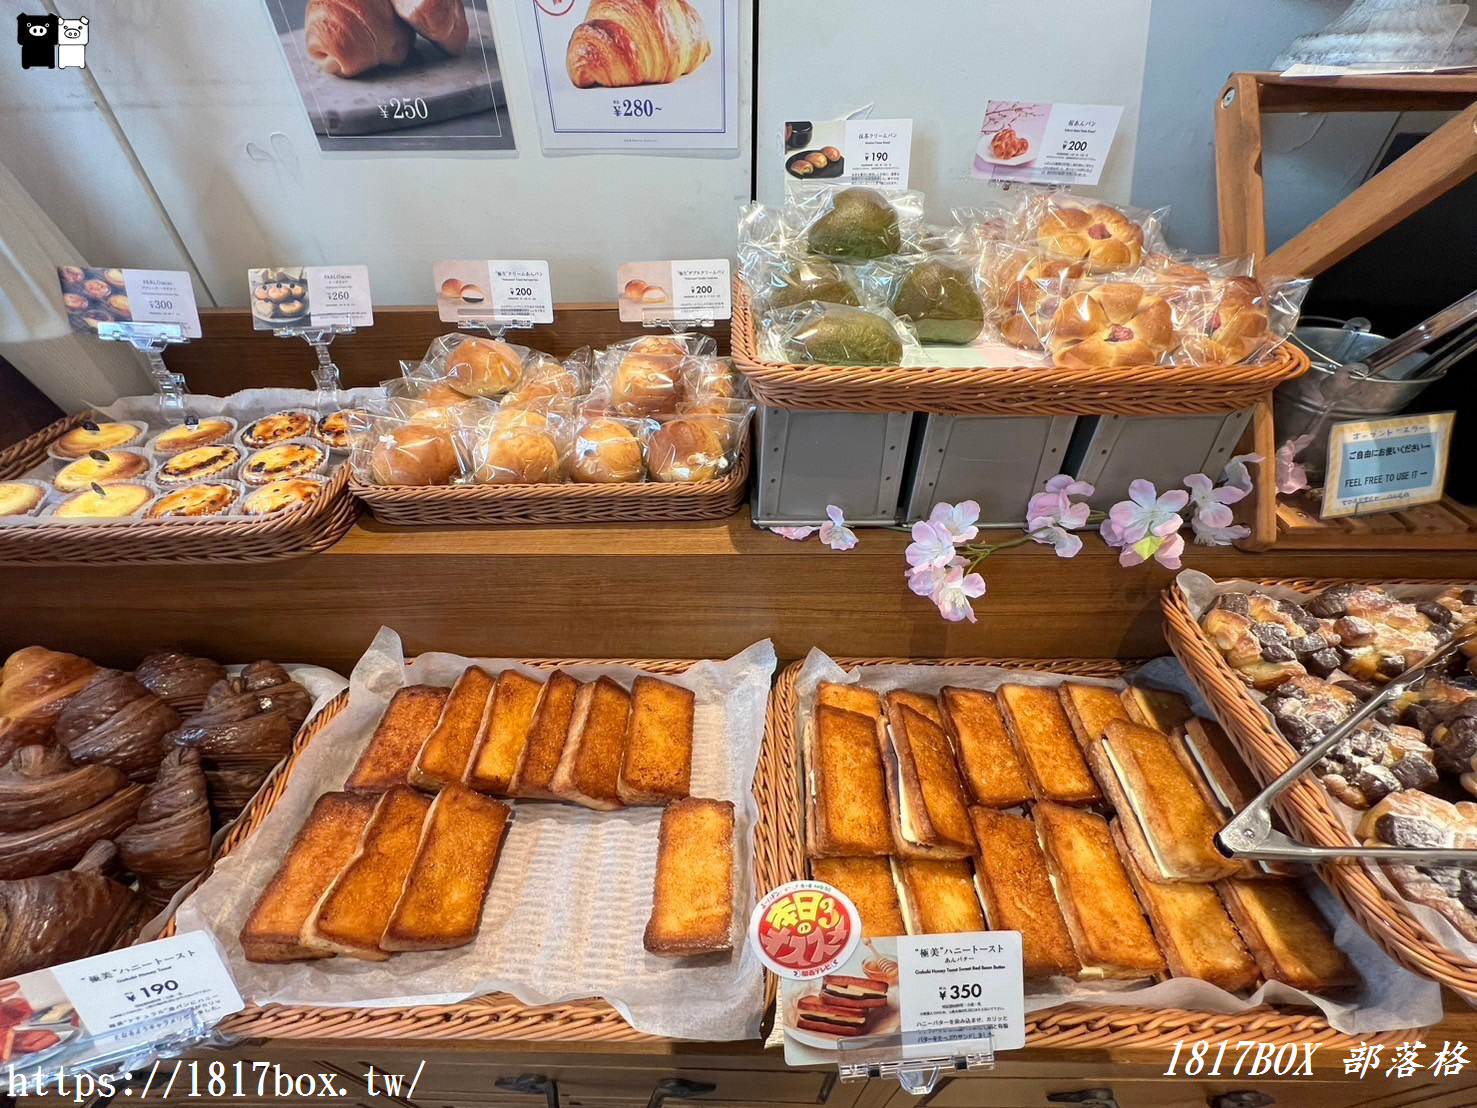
x=396 y=74
x=633 y=76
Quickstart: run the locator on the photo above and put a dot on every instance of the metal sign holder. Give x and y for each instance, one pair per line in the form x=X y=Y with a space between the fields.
x=917 y=1059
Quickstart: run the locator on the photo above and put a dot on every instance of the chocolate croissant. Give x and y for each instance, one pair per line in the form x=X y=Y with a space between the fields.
x=35 y=685
x=180 y=680
x=40 y=785
x=58 y=844
x=115 y=721
x=60 y=917
x=350 y=37
x=636 y=42
x=169 y=845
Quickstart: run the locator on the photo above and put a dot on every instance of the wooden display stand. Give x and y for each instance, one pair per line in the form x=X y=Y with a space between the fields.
x=1438 y=163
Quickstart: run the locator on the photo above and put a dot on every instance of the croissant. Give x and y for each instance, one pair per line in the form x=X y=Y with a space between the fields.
x=115 y=721
x=35 y=685
x=39 y=785
x=444 y=22
x=636 y=42
x=60 y=917
x=180 y=680
x=350 y=37
x=169 y=845
x=64 y=841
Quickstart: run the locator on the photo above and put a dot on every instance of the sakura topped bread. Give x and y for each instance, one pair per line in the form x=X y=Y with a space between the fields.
x=1098 y=234
x=1117 y=323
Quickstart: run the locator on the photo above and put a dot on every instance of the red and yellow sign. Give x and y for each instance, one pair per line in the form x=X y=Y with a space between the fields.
x=804 y=929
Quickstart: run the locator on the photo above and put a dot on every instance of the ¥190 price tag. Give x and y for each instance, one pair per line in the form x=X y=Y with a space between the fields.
x=521 y=292
x=878 y=151
x=968 y=981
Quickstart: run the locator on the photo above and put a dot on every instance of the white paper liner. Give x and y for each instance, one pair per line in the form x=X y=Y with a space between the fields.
x=1199 y=591
x=1391 y=997
x=569 y=902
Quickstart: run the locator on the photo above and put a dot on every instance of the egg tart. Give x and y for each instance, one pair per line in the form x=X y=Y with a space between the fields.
x=204 y=499
x=205 y=432
x=112 y=502
x=335 y=429
x=198 y=464
x=281 y=495
x=100 y=468
x=278 y=427
x=20 y=498
x=102 y=436
x=287 y=459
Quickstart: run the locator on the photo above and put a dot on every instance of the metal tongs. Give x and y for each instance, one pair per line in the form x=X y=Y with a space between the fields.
x=1250 y=833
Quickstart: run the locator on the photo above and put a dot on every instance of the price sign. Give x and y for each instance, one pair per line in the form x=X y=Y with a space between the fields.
x=339 y=296
x=521 y=292
x=849 y=151
x=516 y=293
x=1045 y=143
x=1382 y=465
x=969 y=981
x=92 y=296
x=693 y=291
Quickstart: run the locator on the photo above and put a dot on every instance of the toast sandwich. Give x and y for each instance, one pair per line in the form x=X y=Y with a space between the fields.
x=1043 y=738
x=1090 y=708
x=1287 y=935
x=1157 y=708
x=656 y=766
x=504 y=733
x=817 y=1013
x=850 y=698
x=404 y=728
x=938 y=896
x=848 y=809
x=1015 y=889
x=991 y=770
x=692 y=897
x=590 y=766
x=929 y=814
x=868 y=884
x=925 y=705
x=447 y=751
x=546 y=737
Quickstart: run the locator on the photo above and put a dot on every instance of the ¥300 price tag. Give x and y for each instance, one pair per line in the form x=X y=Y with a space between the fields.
x=970 y=981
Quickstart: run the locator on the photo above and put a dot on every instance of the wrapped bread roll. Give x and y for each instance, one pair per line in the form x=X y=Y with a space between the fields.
x=518 y=456
x=646 y=384
x=689 y=448
x=607 y=451
x=483 y=367
x=414 y=454
x=1117 y=323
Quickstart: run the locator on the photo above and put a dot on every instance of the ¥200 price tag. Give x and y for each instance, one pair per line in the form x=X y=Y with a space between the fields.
x=688 y=291
x=963 y=982
x=702 y=289
x=521 y=292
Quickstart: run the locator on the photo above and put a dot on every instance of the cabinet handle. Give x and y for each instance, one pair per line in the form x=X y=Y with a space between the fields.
x=677 y=1088
x=534 y=1084
x=1085 y=1098
x=1242 y=1098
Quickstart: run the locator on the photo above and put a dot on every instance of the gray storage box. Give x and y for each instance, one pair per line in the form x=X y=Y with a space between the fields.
x=1111 y=451
x=808 y=459
x=997 y=461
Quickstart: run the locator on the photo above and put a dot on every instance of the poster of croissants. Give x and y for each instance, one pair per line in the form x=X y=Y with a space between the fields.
x=633 y=76
x=396 y=74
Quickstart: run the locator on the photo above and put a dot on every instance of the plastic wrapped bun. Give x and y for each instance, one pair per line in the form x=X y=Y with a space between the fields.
x=1021 y=289
x=608 y=451
x=1115 y=323
x=1108 y=239
x=405 y=448
x=1240 y=319
x=856 y=223
x=687 y=449
x=834 y=335
x=1193 y=271
x=937 y=296
x=675 y=345
x=483 y=367
x=707 y=379
x=641 y=384
x=786 y=281
x=518 y=455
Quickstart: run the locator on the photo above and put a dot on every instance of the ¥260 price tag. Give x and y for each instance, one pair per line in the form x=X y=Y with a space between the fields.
x=521 y=292
x=340 y=296
x=969 y=981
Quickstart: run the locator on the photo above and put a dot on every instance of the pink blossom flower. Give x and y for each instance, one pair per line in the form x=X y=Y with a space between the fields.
x=1237 y=474
x=1218 y=534
x=932 y=546
x=795 y=534
x=1049 y=533
x=835 y=533
x=1147 y=513
x=954 y=593
x=1055 y=502
x=1164 y=549
x=1213 y=522
x=957 y=519
x=925 y=580
x=1291 y=476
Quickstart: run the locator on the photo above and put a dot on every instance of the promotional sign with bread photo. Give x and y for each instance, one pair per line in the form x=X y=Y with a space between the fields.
x=396 y=74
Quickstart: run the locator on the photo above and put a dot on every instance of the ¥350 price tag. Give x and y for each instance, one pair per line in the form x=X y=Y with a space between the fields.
x=970 y=981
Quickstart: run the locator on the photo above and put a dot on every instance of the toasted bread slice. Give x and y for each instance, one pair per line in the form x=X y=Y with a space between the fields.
x=692 y=898
x=816 y=1013
x=988 y=764
x=590 y=768
x=925 y=705
x=350 y=918
x=1207 y=752
x=546 y=737
x=324 y=844
x=1090 y=708
x=657 y=764
x=933 y=811
x=848 y=786
x=444 y=758
x=1015 y=888
x=938 y=896
x=1193 y=929
x=504 y=733
x=867 y=883
x=1169 y=824
x=1043 y=738
x=846 y=991
x=404 y=728
x=1108 y=928
x=1287 y=935
x=1157 y=708
x=850 y=698
x=441 y=906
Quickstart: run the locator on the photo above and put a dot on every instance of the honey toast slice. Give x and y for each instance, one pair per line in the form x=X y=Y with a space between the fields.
x=1167 y=821
x=441 y=906
x=1043 y=738
x=932 y=811
x=1157 y=708
x=1015 y=888
x=656 y=766
x=350 y=918
x=546 y=738
x=938 y=896
x=444 y=758
x=867 y=883
x=991 y=769
x=324 y=844
x=1090 y=708
x=851 y=698
x=1193 y=929
x=1108 y=928
x=1287 y=935
x=407 y=723
x=848 y=809
x=692 y=896
x=590 y=767
x=504 y=733
x=925 y=705
x=1220 y=765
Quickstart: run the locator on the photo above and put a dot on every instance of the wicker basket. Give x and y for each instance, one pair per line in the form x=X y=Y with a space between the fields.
x=1081 y=1025
x=1025 y=390
x=1306 y=805
x=637 y=502
x=325 y=520
x=777 y=854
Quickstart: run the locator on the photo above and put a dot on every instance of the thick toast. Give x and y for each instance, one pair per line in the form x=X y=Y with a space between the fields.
x=441 y=906
x=1157 y=708
x=991 y=769
x=1108 y=928
x=1048 y=749
x=928 y=783
x=350 y=917
x=504 y=733
x=850 y=698
x=1015 y=889
x=938 y=896
x=925 y=705
x=324 y=844
x=1090 y=708
x=692 y=897
x=1193 y=929
x=1287 y=935
x=546 y=737
x=444 y=758
x=849 y=792
x=867 y=883
x=656 y=766
x=1223 y=768
x=590 y=768
x=408 y=721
